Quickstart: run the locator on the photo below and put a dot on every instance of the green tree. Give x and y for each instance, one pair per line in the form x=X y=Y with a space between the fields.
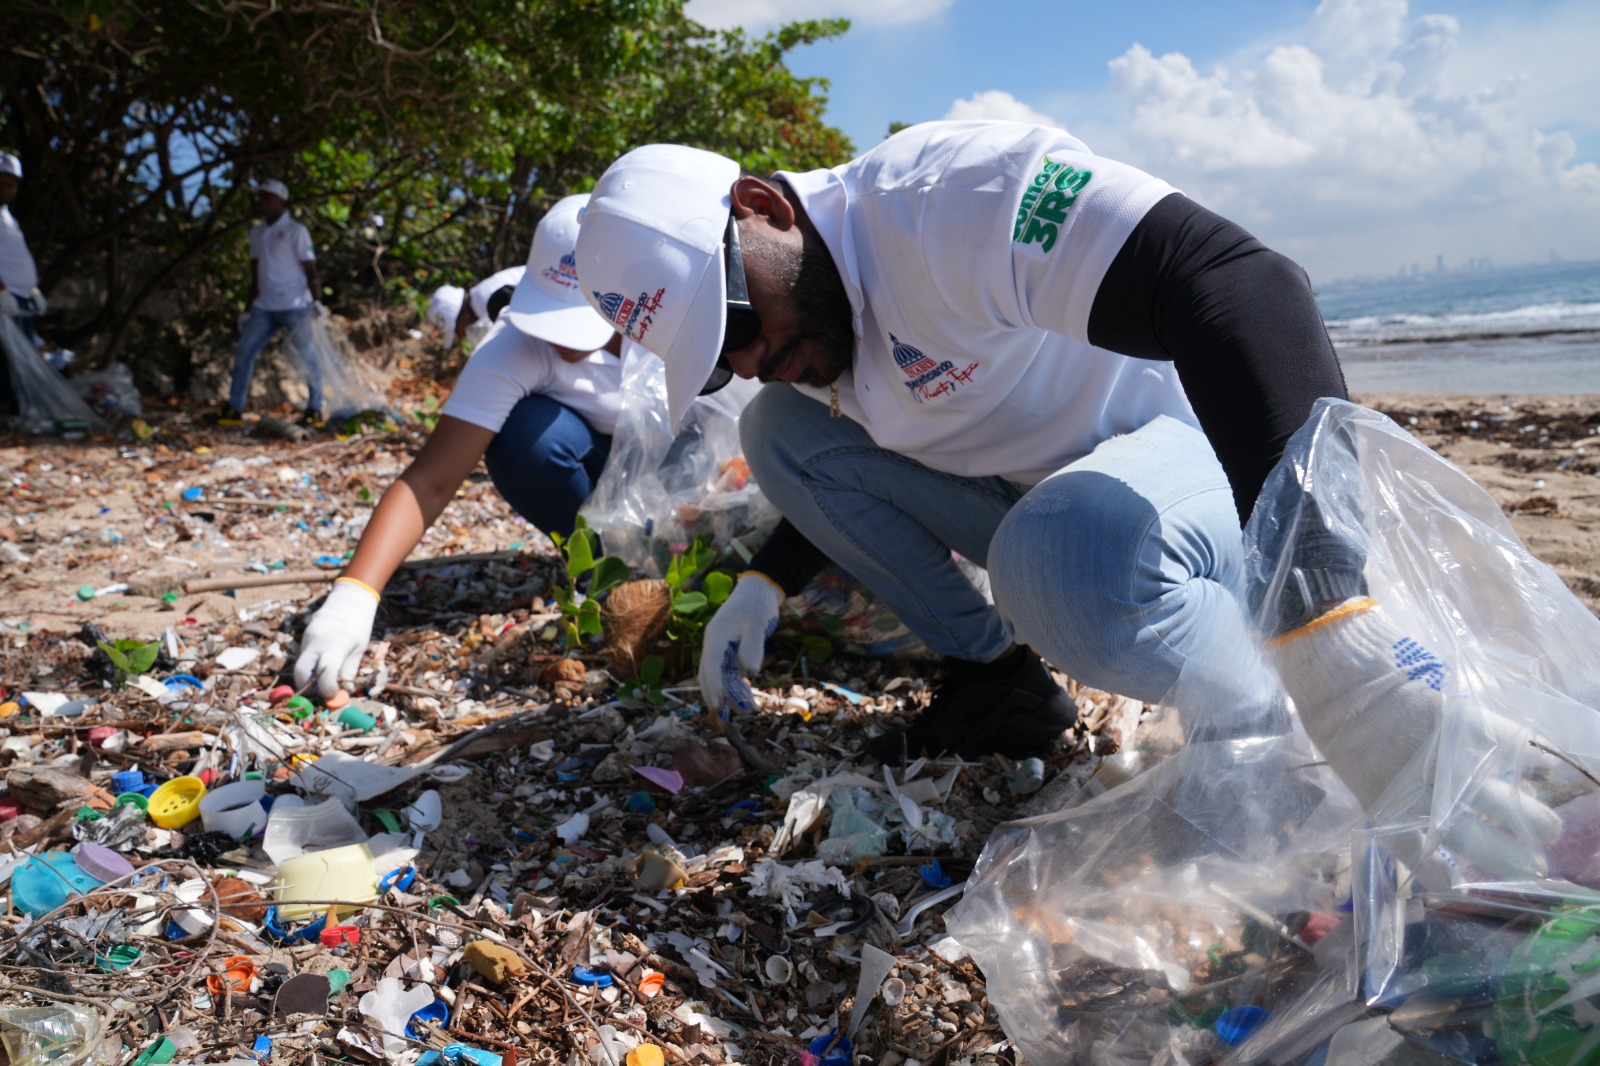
x=141 y=122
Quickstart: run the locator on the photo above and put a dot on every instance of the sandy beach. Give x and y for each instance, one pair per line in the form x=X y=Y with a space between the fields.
x=1538 y=456
x=96 y=513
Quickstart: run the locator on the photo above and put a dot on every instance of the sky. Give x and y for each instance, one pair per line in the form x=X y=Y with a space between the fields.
x=1359 y=137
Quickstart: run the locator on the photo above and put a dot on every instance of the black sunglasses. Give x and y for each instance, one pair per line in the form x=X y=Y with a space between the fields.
x=744 y=325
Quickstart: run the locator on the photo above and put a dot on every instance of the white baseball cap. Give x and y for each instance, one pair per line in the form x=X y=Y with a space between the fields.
x=650 y=256
x=10 y=164
x=444 y=306
x=275 y=187
x=548 y=302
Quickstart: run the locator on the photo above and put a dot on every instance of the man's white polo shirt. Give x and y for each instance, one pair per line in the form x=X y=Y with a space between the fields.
x=971 y=253
x=278 y=250
x=17 y=269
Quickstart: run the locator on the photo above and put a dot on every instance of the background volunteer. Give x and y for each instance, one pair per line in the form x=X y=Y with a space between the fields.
x=537 y=401
x=284 y=293
x=957 y=295
x=19 y=276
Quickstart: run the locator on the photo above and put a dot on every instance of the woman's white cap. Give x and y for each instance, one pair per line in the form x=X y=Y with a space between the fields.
x=548 y=302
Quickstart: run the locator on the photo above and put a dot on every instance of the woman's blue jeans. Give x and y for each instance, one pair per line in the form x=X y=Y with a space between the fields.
x=1122 y=569
x=545 y=461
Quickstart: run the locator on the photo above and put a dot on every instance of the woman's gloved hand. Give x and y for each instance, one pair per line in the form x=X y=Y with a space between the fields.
x=336 y=636
x=1371 y=697
x=736 y=641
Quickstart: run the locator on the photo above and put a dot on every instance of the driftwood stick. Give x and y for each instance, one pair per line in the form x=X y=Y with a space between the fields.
x=313 y=577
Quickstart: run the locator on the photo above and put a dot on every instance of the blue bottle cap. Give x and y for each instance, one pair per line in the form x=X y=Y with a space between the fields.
x=437 y=1013
x=1237 y=1023
x=127 y=781
x=832 y=1049
x=592 y=976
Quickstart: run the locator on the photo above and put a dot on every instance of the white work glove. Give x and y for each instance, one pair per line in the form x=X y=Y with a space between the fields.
x=8 y=304
x=736 y=641
x=1370 y=697
x=336 y=637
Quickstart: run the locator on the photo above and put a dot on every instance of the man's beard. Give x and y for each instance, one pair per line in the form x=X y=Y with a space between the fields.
x=827 y=321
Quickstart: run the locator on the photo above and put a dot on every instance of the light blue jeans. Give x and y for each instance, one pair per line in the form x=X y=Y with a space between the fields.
x=258 y=330
x=1122 y=569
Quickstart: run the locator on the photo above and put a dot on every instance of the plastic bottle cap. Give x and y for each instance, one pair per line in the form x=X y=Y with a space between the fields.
x=833 y=1049
x=100 y=862
x=646 y=1055
x=335 y=935
x=279 y=694
x=299 y=707
x=592 y=976
x=436 y=1013
x=136 y=799
x=1237 y=1023
x=127 y=781
x=176 y=803
x=118 y=957
x=85 y=592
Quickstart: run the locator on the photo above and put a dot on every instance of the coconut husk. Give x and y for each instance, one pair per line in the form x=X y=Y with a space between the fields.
x=635 y=617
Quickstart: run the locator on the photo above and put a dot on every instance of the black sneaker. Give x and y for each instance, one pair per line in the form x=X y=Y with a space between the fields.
x=228 y=415
x=313 y=420
x=1009 y=707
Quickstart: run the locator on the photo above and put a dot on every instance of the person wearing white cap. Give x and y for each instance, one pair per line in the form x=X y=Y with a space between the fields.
x=284 y=293
x=940 y=322
x=537 y=401
x=454 y=311
x=19 y=277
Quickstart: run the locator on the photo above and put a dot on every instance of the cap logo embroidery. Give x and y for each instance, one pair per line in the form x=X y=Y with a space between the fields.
x=564 y=273
x=631 y=316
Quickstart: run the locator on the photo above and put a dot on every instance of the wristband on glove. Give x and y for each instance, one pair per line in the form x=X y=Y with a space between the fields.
x=782 y=595
x=345 y=579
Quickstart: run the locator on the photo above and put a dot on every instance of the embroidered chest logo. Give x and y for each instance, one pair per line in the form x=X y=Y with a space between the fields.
x=565 y=273
x=1044 y=203
x=632 y=316
x=928 y=379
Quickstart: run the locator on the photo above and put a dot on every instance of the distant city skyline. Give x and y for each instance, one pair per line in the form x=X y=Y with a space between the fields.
x=1354 y=135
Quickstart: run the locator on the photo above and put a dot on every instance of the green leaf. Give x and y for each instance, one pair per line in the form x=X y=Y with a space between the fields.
x=143 y=657
x=816 y=649
x=651 y=669
x=717 y=585
x=580 y=553
x=689 y=602
x=609 y=572
x=118 y=659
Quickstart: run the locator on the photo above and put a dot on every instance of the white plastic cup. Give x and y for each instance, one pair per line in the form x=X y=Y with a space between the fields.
x=235 y=809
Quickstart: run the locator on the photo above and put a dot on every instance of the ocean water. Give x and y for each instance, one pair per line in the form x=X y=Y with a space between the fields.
x=1530 y=329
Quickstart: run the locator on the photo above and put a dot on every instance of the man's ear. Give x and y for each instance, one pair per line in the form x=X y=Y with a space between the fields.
x=758 y=196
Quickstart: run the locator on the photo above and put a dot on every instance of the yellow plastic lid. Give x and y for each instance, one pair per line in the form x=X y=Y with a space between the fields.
x=176 y=803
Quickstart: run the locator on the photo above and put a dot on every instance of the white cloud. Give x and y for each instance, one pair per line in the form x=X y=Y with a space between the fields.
x=1367 y=134
x=997 y=104
x=758 y=15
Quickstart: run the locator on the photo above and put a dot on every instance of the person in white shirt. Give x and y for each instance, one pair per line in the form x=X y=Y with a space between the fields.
x=982 y=338
x=455 y=311
x=284 y=294
x=538 y=401
x=19 y=277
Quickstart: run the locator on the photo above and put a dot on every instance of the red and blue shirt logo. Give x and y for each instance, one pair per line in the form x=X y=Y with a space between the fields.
x=928 y=378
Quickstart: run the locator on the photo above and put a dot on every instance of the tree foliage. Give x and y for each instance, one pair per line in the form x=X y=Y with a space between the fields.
x=422 y=141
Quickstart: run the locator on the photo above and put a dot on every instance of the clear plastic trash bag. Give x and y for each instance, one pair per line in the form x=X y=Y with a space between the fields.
x=659 y=491
x=110 y=391
x=1233 y=903
x=44 y=401
x=345 y=392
